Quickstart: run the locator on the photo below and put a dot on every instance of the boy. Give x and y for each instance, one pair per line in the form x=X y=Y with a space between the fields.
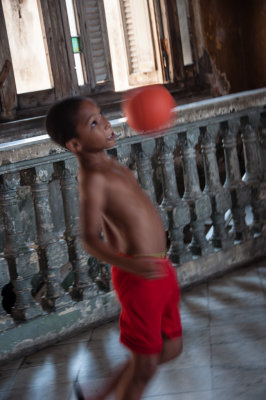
x=135 y=244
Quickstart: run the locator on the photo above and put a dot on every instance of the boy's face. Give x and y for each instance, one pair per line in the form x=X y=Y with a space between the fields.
x=93 y=132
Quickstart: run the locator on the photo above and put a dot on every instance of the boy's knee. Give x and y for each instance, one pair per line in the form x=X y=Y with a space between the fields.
x=145 y=370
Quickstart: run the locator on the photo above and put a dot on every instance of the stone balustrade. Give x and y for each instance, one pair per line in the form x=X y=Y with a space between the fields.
x=206 y=176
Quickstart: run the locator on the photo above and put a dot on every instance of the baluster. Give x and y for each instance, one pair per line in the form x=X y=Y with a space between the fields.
x=83 y=287
x=199 y=203
x=262 y=147
x=219 y=196
x=249 y=126
x=240 y=192
x=124 y=154
x=262 y=152
x=5 y=320
x=252 y=176
x=143 y=153
x=22 y=260
x=176 y=209
x=52 y=250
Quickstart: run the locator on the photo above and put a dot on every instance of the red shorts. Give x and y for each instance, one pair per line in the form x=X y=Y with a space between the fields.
x=150 y=309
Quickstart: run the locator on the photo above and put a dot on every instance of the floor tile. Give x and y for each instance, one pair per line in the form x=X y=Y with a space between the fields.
x=57 y=354
x=84 y=336
x=194 y=354
x=231 y=315
x=236 y=289
x=181 y=380
x=8 y=373
x=240 y=354
x=262 y=274
x=46 y=392
x=194 y=300
x=253 y=392
x=247 y=330
x=184 y=396
x=108 y=331
x=226 y=378
x=92 y=386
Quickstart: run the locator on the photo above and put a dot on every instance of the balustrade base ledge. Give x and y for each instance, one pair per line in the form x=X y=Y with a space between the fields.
x=219 y=262
x=35 y=334
x=23 y=339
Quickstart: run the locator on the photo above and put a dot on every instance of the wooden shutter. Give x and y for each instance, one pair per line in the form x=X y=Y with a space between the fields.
x=95 y=42
x=8 y=98
x=143 y=56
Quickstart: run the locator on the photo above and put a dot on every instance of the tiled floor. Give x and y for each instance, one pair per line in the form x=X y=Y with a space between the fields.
x=224 y=357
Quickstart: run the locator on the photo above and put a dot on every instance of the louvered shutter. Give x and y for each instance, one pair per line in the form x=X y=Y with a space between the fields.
x=141 y=40
x=95 y=42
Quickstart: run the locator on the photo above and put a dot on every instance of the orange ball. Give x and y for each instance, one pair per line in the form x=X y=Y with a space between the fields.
x=148 y=108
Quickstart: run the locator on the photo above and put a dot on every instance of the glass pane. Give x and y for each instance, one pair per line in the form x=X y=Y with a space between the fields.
x=184 y=31
x=76 y=44
x=27 y=45
x=75 y=39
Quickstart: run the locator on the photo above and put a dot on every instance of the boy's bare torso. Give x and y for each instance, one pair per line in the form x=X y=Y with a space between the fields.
x=129 y=219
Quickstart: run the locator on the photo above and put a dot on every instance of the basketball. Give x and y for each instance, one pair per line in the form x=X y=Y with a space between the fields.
x=148 y=108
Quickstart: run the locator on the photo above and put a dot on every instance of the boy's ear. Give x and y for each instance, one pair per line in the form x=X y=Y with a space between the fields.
x=72 y=145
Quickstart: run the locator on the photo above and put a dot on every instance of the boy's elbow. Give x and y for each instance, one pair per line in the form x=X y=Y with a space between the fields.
x=90 y=241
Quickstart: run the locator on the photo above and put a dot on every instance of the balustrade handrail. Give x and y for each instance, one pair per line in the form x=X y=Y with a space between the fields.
x=211 y=163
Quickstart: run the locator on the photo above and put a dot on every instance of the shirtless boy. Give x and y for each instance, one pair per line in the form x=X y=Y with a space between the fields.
x=135 y=244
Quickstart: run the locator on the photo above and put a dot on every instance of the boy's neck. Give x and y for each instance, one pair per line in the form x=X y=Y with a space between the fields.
x=92 y=160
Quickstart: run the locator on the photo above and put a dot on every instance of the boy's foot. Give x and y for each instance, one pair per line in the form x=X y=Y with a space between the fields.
x=81 y=396
x=78 y=391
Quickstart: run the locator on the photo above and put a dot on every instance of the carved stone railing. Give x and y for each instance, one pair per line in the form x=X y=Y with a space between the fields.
x=206 y=175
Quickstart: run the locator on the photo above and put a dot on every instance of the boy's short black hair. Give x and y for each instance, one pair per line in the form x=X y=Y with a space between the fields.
x=61 y=120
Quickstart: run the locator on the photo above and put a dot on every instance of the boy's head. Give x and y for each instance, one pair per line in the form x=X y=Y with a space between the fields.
x=77 y=124
x=62 y=119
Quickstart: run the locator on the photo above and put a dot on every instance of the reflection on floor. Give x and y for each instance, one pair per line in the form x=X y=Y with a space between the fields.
x=224 y=356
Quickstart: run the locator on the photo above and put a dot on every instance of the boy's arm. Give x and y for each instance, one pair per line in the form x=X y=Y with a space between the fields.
x=92 y=205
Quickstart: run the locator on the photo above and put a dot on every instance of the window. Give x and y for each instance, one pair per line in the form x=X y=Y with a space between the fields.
x=28 y=45
x=65 y=47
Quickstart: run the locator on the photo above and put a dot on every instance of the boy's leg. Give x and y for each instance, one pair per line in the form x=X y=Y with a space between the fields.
x=140 y=371
x=143 y=368
x=129 y=382
x=131 y=379
x=82 y=391
x=172 y=348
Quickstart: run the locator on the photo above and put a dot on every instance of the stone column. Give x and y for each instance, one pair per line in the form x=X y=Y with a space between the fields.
x=262 y=151
x=219 y=196
x=52 y=250
x=240 y=192
x=83 y=287
x=199 y=203
x=253 y=174
x=143 y=153
x=262 y=144
x=22 y=261
x=176 y=209
x=5 y=320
